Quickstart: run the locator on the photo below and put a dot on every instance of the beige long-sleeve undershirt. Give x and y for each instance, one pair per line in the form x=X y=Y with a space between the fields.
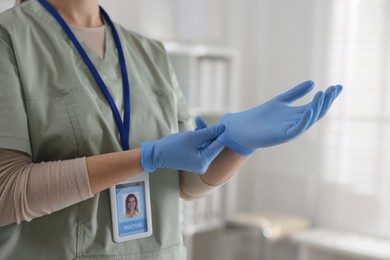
x=29 y=190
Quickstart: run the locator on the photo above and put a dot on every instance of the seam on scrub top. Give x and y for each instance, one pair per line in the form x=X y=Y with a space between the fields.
x=75 y=125
x=157 y=252
x=56 y=95
x=80 y=231
x=14 y=137
x=166 y=108
x=45 y=18
x=37 y=98
x=7 y=46
x=48 y=20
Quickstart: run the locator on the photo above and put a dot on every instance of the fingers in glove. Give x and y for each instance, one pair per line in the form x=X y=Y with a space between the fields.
x=301 y=125
x=296 y=92
x=317 y=105
x=330 y=95
x=209 y=133
x=210 y=152
x=200 y=123
x=339 y=89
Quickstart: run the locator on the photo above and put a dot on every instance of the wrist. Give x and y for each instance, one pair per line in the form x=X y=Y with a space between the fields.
x=230 y=143
x=148 y=157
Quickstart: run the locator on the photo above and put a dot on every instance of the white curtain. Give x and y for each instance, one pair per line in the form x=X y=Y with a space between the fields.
x=355 y=183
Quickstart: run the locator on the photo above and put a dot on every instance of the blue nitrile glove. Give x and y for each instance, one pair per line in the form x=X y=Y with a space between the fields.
x=191 y=151
x=200 y=123
x=275 y=121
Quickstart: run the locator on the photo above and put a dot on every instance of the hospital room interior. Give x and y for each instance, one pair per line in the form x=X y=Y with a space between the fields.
x=323 y=196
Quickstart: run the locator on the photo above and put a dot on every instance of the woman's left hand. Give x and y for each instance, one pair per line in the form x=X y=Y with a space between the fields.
x=276 y=121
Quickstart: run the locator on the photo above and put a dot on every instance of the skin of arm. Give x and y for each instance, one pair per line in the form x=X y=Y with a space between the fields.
x=223 y=167
x=123 y=165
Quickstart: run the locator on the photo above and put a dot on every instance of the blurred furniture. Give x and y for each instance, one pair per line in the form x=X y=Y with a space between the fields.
x=208 y=76
x=271 y=226
x=322 y=244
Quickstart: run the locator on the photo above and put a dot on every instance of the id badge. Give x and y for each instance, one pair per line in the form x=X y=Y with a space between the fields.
x=130 y=209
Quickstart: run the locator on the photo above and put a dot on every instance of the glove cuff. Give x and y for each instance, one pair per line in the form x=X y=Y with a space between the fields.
x=225 y=140
x=147 y=157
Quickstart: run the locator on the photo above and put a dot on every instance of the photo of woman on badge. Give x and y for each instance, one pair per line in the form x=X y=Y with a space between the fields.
x=131 y=205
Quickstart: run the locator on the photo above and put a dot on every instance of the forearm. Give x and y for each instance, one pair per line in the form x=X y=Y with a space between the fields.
x=106 y=170
x=225 y=165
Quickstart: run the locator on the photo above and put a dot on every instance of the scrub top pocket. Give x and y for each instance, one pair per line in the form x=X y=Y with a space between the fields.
x=52 y=124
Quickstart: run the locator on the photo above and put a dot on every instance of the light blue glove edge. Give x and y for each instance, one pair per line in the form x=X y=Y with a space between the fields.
x=147 y=151
x=225 y=140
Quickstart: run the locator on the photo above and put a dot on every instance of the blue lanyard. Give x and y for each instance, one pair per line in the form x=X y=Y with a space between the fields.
x=123 y=126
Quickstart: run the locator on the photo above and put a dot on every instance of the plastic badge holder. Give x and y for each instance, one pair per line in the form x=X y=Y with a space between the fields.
x=124 y=196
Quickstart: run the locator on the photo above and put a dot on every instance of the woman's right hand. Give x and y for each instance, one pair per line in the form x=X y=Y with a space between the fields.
x=191 y=151
x=276 y=121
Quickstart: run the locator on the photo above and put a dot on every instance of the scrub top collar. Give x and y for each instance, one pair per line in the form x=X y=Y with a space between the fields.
x=123 y=123
x=111 y=58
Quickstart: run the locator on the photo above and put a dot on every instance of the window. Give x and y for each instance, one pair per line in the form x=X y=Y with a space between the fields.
x=356 y=173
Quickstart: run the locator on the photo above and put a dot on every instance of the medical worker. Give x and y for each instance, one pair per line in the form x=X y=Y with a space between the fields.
x=86 y=104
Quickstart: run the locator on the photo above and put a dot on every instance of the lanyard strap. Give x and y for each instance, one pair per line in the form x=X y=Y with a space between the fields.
x=123 y=126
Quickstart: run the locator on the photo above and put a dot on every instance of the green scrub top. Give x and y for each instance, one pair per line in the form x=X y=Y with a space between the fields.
x=52 y=109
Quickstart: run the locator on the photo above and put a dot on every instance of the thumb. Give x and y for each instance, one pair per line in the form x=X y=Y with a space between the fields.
x=200 y=123
x=212 y=150
x=302 y=125
x=296 y=92
x=209 y=133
